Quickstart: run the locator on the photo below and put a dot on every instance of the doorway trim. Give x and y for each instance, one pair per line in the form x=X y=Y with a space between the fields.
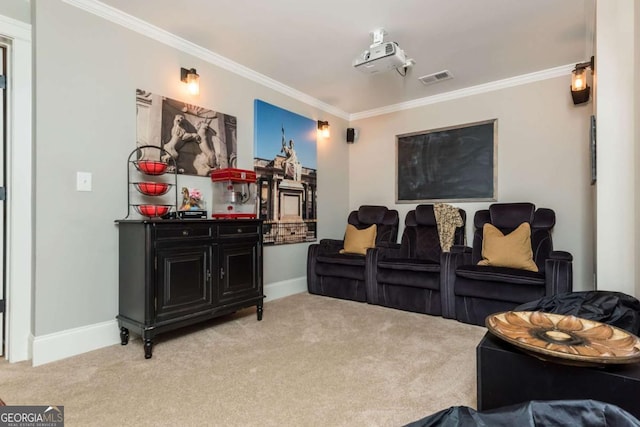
x=20 y=191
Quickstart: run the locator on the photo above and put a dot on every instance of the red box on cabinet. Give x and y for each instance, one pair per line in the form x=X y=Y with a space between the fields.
x=235 y=175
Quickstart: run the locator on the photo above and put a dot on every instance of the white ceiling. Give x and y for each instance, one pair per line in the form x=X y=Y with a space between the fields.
x=310 y=46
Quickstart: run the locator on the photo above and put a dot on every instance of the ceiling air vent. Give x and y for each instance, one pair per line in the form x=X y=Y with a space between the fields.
x=435 y=77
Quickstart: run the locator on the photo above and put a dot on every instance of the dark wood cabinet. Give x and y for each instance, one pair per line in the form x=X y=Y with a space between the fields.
x=174 y=273
x=183 y=280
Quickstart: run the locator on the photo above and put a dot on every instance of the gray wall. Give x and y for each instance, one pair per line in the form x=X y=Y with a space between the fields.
x=86 y=73
x=618 y=228
x=543 y=157
x=16 y=9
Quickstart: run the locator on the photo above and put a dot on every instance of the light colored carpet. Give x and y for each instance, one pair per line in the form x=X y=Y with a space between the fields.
x=311 y=361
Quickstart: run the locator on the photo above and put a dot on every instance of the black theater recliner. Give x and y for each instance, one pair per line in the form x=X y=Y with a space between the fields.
x=471 y=292
x=406 y=276
x=333 y=274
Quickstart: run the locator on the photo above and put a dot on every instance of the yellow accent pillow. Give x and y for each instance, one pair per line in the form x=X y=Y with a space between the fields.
x=512 y=250
x=358 y=241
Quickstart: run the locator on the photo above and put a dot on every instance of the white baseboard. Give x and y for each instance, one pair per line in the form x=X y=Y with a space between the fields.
x=60 y=345
x=285 y=288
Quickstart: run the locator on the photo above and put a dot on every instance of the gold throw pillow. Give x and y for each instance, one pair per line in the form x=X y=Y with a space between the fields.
x=512 y=250
x=358 y=241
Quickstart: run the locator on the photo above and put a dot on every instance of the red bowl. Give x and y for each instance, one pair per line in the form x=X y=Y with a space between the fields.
x=151 y=167
x=153 y=210
x=152 y=188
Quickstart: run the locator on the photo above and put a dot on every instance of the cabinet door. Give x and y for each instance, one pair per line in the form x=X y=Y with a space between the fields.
x=239 y=271
x=183 y=280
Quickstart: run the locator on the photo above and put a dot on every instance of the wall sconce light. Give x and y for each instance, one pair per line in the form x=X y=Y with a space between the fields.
x=192 y=79
x=323 y=129
x=580 y=90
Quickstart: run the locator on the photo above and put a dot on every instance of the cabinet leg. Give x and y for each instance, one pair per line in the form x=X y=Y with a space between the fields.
x=124 y=336
x=148 y=348
x=259 y=312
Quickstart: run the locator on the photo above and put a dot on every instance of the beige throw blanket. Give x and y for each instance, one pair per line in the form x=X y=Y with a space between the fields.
x=447 y=220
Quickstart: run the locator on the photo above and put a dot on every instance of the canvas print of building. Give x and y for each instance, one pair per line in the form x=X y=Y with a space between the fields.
x=285 y=164
x=200 y=139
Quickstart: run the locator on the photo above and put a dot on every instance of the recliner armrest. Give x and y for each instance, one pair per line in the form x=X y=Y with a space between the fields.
x=456 y=249
x=558 y=271
x=370 y=271
x=465 y=251
x=322 y=248
x=449 y=262
x=330 y=246
x=561 y=255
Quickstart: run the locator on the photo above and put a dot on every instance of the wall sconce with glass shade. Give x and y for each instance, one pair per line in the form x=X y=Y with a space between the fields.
x=580 y=90
x=192 y=79
x=323 y=129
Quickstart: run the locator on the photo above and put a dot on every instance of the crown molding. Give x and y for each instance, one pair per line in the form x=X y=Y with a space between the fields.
x=132 y=23
x=472 y=90
x=17 y=29
x=146 y=29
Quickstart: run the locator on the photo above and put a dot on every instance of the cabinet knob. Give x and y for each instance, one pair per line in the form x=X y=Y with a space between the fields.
x=185 y=232
x=239 y=230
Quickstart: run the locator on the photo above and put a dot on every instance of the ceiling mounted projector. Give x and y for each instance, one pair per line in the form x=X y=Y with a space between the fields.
x=381 y=56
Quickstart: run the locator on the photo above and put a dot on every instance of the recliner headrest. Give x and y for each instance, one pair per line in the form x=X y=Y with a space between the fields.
x=544 y=218
x=511 y=215
x=480 y=218
x=425 y=215
x=371 y=214
x=367 y=215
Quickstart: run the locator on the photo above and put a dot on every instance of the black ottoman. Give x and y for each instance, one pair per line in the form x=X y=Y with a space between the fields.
x=507 y=376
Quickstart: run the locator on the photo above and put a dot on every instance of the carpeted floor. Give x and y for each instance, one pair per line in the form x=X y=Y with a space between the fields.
x=312 y=361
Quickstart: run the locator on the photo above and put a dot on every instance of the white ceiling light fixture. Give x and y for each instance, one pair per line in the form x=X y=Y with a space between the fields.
x=382 y=56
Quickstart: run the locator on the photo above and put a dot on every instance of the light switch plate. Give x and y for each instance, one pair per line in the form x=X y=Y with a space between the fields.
x=83 y=181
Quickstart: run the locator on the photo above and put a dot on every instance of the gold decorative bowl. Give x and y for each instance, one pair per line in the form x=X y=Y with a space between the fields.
x=565 y=339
